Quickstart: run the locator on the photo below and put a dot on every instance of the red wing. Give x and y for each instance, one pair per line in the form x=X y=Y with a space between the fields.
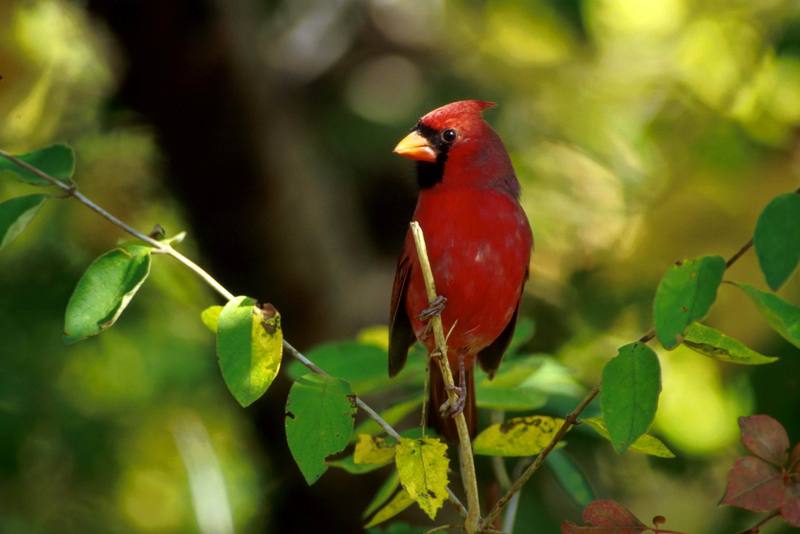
x=491 y=356
x=401 y=335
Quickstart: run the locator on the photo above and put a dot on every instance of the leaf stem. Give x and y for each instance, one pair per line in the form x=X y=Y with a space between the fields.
x=755 y=529
x=71 y=190
x=469 y=478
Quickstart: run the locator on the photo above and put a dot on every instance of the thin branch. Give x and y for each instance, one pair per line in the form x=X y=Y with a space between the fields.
x=571 y=419
x=469 y=478
x=71 y=190
x=755 y=529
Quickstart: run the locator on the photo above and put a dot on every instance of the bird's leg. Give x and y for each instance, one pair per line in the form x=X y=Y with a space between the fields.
x=436 y=307
x=454 y=408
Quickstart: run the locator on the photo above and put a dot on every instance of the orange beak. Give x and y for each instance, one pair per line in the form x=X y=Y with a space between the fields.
x=414 y=146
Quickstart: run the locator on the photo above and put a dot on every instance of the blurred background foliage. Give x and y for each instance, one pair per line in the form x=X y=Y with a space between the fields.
x=643 y=131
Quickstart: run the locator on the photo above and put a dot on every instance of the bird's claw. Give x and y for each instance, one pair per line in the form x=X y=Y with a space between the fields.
x=436 y=307
x=456 y=406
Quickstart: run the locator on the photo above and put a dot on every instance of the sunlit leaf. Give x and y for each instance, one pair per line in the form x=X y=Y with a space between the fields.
x=525 y=383
x=783 y=317
x=377 y=335
x=382 y=495
x=754 y=485
x=105 y=290
x=713 y=343
x=373 y=450
x=15 y=214
x=777 y=239
x=392 y=415
x=519 y=436
x=249 y=347
x=630 y=388
x=765 y=437
x=685 y=294
x=57 y=160
x=422 y=465
x=570 y=477
x=319 y=421
x=397 y=504
x=210 y=317
x=645 y=443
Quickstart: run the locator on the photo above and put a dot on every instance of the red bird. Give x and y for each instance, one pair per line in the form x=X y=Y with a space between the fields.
x=479 y=244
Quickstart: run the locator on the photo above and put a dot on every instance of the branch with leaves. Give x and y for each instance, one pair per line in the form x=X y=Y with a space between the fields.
x=250 y=347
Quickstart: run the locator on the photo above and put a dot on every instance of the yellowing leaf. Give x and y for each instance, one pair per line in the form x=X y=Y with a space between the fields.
x=645 y=443
x=210 y=317
x=519 y=436
x=422 y=465
x=373 y=450
x=399 y=502
x=250 y=348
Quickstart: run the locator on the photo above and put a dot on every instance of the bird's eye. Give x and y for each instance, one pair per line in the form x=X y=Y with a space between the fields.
x=449 y=135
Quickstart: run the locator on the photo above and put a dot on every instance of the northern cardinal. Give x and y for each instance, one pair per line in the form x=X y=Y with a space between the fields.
x=479 y=245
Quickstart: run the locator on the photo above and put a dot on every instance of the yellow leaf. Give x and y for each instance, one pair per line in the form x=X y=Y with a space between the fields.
x=520 y=436
x=422 y=465
x=210 y=317
x=373 y=450
x=646 y=443
x=399 y=502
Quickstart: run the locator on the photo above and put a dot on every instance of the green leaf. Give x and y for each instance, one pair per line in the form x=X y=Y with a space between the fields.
x=524 y=332
x=713 y=343
x=570 y=477
x=397 y=504
x=56 y=160
x=319 y=421
x=348 y=464
x=382 y=495
x=373 y=450
x=104 y=290
x=15 y=214
x=645 y=444
x=525 y=383
x=519 y=436
x=249 y=347
x=630 y=387
x=362 y=365
x=392 y=415
x=422 y=465
x=783 y=317
x=685 y=294
x=210 y=317
x=777 y=239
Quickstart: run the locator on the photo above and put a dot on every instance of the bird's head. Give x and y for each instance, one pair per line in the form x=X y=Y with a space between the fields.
x=454 y=144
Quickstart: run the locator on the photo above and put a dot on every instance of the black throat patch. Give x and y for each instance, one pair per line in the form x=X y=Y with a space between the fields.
x=431 y=173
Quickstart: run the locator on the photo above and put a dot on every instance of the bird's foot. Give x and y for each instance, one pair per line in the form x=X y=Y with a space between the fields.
x=436 y=307
x=453 y=407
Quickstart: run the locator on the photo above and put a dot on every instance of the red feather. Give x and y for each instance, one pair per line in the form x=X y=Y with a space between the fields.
x=479 y=243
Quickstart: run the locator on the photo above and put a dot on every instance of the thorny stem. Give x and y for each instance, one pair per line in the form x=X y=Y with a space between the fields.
x=755 y=529
x=469 y=478
x=71 y=190
x=572 y=418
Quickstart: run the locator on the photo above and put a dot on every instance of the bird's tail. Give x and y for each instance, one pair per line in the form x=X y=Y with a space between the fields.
x=446 y=424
